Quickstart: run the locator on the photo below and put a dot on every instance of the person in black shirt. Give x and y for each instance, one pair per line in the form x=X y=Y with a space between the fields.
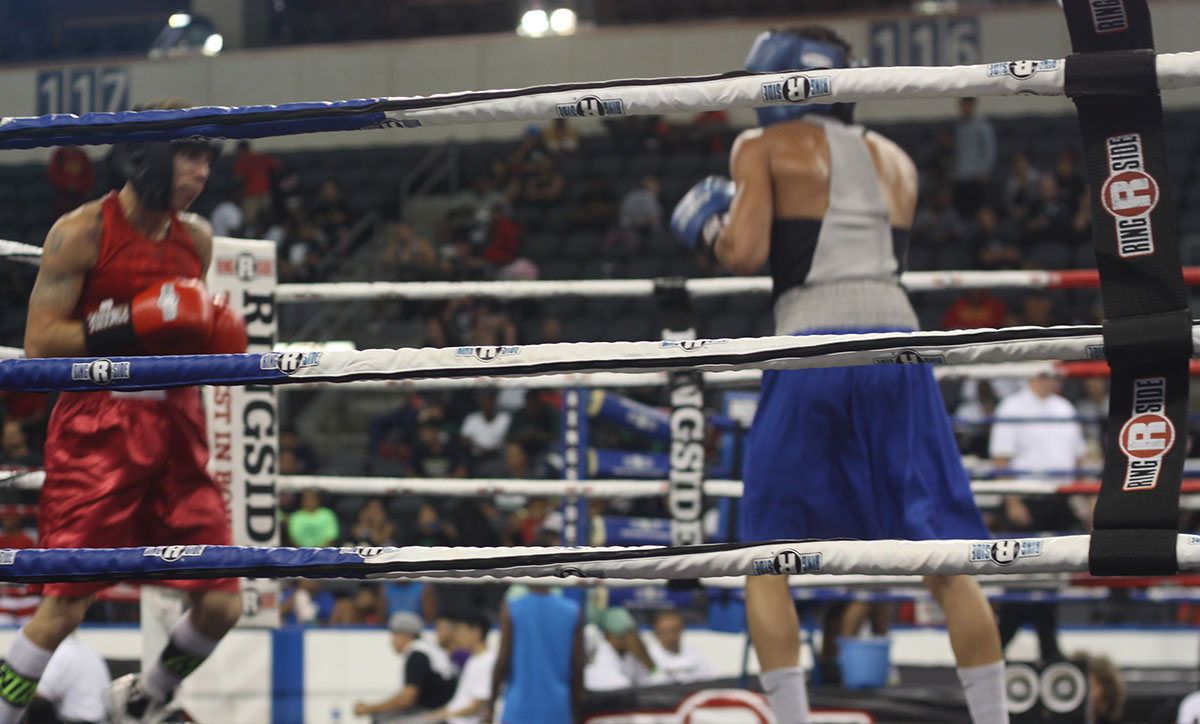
x=429 y=675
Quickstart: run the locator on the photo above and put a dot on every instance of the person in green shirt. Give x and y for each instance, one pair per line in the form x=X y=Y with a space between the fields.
x=313 y=526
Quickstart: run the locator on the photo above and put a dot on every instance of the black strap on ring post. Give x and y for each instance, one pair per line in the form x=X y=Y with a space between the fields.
x=1112 y=79
x=688 y=421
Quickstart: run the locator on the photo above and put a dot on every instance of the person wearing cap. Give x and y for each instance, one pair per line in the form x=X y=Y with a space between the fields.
x=540 y=663
x=619 y=659
x=475 y=685
x=430 y=677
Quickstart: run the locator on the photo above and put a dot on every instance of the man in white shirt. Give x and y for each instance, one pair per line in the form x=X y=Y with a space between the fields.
x=474 y=688
x=483 y=432
x=676 y=662
x=76 y=683
x=227 y=219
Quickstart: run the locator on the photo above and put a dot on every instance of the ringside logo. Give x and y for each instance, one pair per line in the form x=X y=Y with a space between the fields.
x=1020 y=69
x=591 y=107
x=245 y=267
x=363 y=552
x=171 y=554
x=1108 y=16
x=685 y=499
x=1148 y=435
x=1129 y=194
x=1005 y=552
x=788 y=562
x=796 y=89
x=911 y=357
x=8 y=557
x=691 y=345
x=289 y=363
x=394 y=123
x=99 y=371
x=487 y=353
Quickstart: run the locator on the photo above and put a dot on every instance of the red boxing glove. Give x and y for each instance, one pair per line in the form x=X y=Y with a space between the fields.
x=171 y=317
x=228 y=329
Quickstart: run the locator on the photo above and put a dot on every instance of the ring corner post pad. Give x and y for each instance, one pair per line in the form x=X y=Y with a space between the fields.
x=1132 y=552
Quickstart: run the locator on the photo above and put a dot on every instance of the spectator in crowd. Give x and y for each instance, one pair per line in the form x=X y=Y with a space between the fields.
x=15 y=450
x=544 y=187
x=551 y=331
x=18 y=602
x=974 y=157
x=1106 y=691
x=71 y=175
x=1093 y=409
x=436 y=455
x=539 y=668
x=361 y=606
x=976 y=308
x=307 y=602
x=314 y=525
x=372 y=527
x=1050 y=218
x=290 y=440
x=641 y=212
x=972 y=425
x=995 y=242
x=561 y=137
x=505 y=178
x=1038 y=309
x=535 y=425
x=619 y=659
x=304 y=247
x=939 y=224
x=74 y=685
x=12 y=534
x=430 y=529
x=483 y=432
x=408 y=257
x=597 y=206
x=1037 y=431
x=1069 y=180
x=429 y=674
x=504 y=239
x=1021 y=186
x=226 y=219
x=474 y=689
x=329 y=211
x=254 y=171
x=674 y=660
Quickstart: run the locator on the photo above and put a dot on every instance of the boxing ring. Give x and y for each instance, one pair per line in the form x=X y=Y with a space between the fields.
x=1145 y=338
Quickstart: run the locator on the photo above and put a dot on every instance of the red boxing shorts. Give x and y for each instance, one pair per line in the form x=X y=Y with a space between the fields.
x=126 y=470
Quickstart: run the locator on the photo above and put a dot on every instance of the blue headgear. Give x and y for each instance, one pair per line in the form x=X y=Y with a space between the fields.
x=776 y=52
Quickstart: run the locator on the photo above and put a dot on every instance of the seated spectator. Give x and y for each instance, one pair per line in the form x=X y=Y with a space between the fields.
x=226 y=219
x=435 y=454
x=597 y=207
x=535 y=425
x=939 y=225
x=429 y=674
x=1106 y=692
x=474 y=689
x=290 y=440
x=1021 y=187
x=329 y=211
x=676 y=662
x=619 y=659
x=483 y=431
x=71 y=176
x=408 y=257
x=302 y=250
x=15 y=450
x=996 y=243
x=314 y=525
x=504 y=179
x=972 y=426
x=372 y=527
x=1050 y=218
x=430 y=530
x=545 y=185
x=561 y=137
x=641 y=211
x=364 y=608
x=504 y=239
x=306 y=603
x=1069 y=180
x=976 y=308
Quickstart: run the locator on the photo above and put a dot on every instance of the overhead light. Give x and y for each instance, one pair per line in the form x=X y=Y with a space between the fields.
x=562 y=21
x=213 y=44
x=179 y=20
x=534 y=23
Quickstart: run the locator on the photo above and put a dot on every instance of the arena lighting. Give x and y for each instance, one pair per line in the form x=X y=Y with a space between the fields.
x=179 y=20
x=563 y=21
x=534 y=23
x=213 y=44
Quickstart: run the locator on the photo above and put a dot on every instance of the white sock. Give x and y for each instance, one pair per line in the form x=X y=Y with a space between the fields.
x=186 y=649
x=984 y=687
x=19 y=674
x=786 y=694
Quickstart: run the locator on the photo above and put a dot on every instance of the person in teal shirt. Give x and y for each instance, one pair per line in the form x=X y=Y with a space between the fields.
x=313 y=526
x=541 y=660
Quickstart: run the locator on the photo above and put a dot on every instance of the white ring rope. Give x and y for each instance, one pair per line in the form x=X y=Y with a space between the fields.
x=1064 y=554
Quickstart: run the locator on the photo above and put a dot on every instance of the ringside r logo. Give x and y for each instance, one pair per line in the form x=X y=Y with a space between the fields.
x=1147 y=435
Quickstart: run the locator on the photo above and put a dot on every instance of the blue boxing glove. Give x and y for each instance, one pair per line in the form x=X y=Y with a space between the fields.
x=700 y=216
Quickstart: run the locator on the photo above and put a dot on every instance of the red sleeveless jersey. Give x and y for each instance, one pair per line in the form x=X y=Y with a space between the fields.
x=130 y=262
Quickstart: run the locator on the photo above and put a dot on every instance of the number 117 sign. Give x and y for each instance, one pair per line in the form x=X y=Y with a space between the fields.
x=82 y=89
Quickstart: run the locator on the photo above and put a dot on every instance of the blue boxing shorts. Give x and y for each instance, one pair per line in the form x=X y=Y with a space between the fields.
x=855 y=452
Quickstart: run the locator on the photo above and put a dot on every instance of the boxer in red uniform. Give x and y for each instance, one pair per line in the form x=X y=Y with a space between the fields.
x=122 y=276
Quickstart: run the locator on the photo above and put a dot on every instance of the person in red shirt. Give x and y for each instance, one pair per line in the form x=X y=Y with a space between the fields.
x=72 y=177
x=254 y=170
x=17 y=602
x=122 y=276
x=975 y=309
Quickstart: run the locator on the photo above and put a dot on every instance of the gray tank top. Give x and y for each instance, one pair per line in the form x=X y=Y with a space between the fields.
x=841 y=272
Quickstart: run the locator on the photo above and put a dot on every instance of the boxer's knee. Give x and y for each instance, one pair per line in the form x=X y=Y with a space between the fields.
x=215 y=612
x=56 y=618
